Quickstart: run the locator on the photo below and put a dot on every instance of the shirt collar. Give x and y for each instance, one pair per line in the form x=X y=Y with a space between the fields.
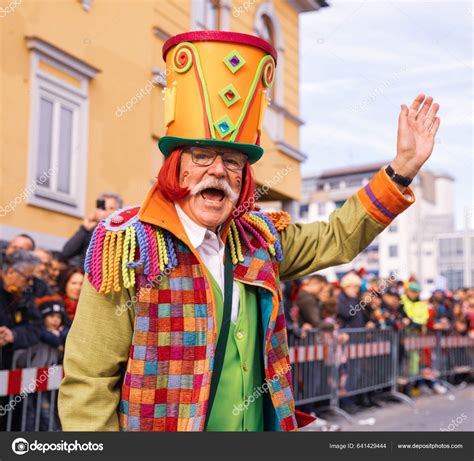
x=195 y=232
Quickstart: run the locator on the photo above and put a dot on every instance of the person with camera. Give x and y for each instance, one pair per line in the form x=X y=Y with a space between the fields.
x=74 y=250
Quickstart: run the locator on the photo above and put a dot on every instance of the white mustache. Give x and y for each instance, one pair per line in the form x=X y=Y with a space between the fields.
x=220 y=184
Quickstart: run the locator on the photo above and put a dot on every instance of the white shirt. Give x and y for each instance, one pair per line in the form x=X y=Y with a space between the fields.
x=211 y=249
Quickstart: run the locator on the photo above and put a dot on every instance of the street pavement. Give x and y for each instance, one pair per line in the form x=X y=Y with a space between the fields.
x=453 y=411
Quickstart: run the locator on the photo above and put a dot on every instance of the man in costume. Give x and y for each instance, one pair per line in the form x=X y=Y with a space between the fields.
x=180 y=326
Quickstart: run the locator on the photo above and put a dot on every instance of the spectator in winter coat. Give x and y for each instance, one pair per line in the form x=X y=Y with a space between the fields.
x=415 y=309
x=70 y=284
x=57 y=265
x=308 y=302
x=55 y=321
x=38 y=287
x=349 y=307
x=20 y=322
x=392 y=309
x=440 y=317
x=76 y=247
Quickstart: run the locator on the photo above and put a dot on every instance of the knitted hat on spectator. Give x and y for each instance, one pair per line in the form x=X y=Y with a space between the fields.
x=392 y=291
x=350 y=279
x=217 y=86
x=50 y=305
x=414 y=286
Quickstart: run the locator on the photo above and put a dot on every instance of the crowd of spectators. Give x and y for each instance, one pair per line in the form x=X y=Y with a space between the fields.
x=357 y=301
x=361 y=302
x=39 y=293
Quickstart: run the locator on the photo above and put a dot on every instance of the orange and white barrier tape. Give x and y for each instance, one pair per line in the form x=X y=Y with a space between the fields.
x=364 y=350
x=309 y=353
x=419 y=342
x=315 y=352
x=456 y=341
x=29 y=380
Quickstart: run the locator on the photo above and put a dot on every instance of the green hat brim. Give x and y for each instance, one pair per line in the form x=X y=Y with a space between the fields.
x=168 y=144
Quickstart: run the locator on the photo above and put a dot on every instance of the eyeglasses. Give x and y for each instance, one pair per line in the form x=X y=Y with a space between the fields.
x=28 y=278
x=202 y=156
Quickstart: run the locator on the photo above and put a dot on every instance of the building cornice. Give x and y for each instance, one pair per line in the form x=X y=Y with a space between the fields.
x=304 y=6
x=291 y=151
x=47 y=49
x=281 y=110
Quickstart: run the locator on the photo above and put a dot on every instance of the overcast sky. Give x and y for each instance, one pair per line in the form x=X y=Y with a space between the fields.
x=361 y=59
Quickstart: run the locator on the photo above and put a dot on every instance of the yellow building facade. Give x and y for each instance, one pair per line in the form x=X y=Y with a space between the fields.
x=82 y=105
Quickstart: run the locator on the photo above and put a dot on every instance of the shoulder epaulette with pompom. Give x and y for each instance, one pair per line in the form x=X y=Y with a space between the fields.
x=115 y=244
x=264 y=227
x=122 y=243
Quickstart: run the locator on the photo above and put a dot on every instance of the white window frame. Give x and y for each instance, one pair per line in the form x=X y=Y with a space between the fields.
x=393 y=247
x=268 y=9
x=44 y=84
x=199 y=19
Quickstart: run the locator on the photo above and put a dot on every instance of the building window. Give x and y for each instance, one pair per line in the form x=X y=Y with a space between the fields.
x=321 y=209
x=353 y=182
x=309 y=185
x=449 y=247
x=58 y=129
x=267 y=26
x=454 y=278
x=267 y=32
x=393 y=227
x=393 y=251
x=304 y=210
x=210 y=14
x=86 y=4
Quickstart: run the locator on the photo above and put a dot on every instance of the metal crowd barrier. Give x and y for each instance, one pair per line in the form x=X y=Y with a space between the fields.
x=456 y=355
x=369 y=357
x=28 y=391
x=312 y=360
x=418 y=357
x=328 y=366
x=434 y=356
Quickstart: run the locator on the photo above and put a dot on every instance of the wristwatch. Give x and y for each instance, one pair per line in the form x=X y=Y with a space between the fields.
x=398 y=178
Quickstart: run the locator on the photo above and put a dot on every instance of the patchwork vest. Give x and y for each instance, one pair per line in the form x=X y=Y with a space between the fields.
x=167 y=380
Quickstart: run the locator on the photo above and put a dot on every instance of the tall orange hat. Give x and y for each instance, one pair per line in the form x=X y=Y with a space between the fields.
x=216 y=94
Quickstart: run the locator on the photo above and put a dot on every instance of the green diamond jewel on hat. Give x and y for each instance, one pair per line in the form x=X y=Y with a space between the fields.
x=229 y=95
x=234 y=61
x=224 y=126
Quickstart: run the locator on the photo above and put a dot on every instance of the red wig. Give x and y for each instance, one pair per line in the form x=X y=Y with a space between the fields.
x=168 y=184
x=168 y=178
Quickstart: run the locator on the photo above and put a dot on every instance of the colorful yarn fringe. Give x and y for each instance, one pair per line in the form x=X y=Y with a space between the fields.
x=111 y=258
x=263 y=227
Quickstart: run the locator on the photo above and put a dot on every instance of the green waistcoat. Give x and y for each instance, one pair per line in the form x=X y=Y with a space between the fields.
x=238 y=405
